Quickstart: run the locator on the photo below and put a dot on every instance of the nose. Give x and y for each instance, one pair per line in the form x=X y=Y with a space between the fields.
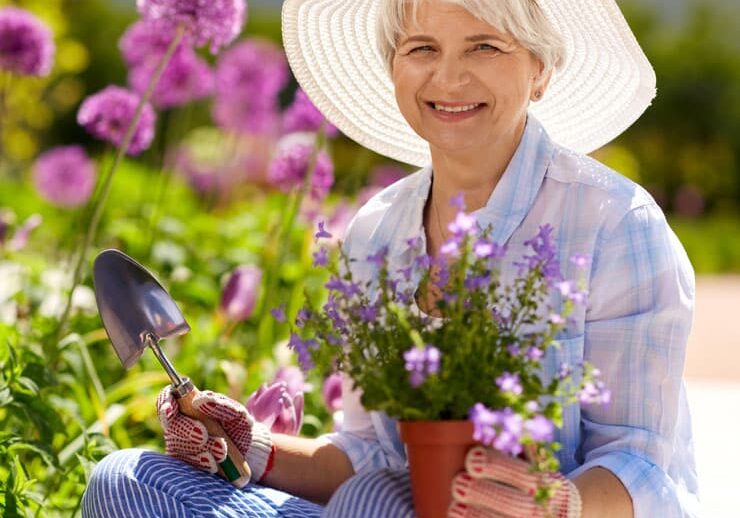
x=451 y=73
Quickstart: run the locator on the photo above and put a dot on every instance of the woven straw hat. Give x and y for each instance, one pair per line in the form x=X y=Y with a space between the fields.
x=606 y=83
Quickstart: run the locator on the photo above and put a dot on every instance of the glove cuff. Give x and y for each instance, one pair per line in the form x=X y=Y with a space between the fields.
x=575 y=505
x=260 y=450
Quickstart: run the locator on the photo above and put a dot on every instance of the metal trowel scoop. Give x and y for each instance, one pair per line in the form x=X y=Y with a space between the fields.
x=137 y=313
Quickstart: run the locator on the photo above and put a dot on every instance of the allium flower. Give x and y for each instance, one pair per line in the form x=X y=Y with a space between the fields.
x=421 y=363
x=185 y=78
x=332 y=392
x=293 y=378
x=64 y=176
x=289 y=168
x=240 y=293
x=249 y=77
x=26 y=44
x=107 y=115
x=214 y=22
x=276 y=408
x=509 y=382
x=145 y=42
x=302 y=115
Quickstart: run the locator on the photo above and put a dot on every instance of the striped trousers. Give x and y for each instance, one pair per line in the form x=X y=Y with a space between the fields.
x=137 y=483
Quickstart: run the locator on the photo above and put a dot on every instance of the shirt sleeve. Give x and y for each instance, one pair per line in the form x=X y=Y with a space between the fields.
x=637 y=325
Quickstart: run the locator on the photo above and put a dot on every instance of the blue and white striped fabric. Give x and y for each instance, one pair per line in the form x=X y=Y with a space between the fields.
x=634 y=328
x=137 y=483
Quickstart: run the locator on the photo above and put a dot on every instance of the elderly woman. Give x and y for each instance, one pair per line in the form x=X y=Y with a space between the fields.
x=496 y=100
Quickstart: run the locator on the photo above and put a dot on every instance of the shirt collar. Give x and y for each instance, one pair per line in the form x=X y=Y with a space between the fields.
x=512 y=197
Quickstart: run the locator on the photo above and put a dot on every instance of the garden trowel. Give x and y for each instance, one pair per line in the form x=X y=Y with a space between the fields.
x=137 y=313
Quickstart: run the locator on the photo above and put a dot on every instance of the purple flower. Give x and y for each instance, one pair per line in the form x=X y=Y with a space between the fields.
x=274 y=407
x=20 y=238
x=556 y=319
x=421 y=362
x=501 y=429
x=581 y=260
x=463 y=224
x=26 y=44
x=145 y=42
x=322 y=233
x=488 y=249
x=510 y=383
x=348 y=289
x=477 y=282
x=385 y=175
x=289 y=168
x=534 y=353
x=303 y=350
x=185 y=78
x=240 y=293
x=379 y=257
x=302 y=115
x=540 y=428
x=458 y=201
x=332 y=392
x=302 y=317
x=64 y=176
x=545 y=256
x=249 y=77
x=594 y=392
x=214 y=22
x=367 y=313
x=107 y=115
x=451 y=248
x=484 y=423
x=278 y=313
x=321 y=257
x=295 y=381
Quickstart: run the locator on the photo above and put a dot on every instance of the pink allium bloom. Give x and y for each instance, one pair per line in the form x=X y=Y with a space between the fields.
x=240 y=293
x=274 y=407
x=332 y=392
x=302 y=115
x=214 y=22
x=185 y=78
x=385 y=175
x=290 y=166
x=293 y=378
x=64 y=176
x=106 y=115
x=146 y=41
x=249 y=78
x=26 y=43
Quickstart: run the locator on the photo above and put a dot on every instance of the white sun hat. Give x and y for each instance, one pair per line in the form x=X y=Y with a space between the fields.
x=606 y=83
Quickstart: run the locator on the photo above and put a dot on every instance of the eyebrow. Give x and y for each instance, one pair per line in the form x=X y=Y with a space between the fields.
x=473 y=39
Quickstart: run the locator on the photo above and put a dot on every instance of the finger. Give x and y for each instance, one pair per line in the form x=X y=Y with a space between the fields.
x=233 y=416
x=484 y=493
x=459 y=510
x=182 y=431
x=203 y=460
x=488 y=463
x=166 y=406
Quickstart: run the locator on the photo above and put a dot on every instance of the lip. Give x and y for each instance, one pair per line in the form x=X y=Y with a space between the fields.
x=455 y=117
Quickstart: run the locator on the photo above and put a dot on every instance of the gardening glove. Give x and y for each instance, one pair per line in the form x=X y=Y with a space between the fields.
x=188 y=440
x=498 y=485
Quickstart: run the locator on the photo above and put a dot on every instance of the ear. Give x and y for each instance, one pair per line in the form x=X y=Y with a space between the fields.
x=540 y=83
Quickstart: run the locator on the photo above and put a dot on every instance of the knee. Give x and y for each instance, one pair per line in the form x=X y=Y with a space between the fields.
x=383 y=492
x=109 y=478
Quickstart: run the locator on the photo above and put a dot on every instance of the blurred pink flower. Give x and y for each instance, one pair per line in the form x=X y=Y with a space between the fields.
x=146 y=41
x=293 y=378
x=302 y=115
x=290 y=166
x=240 y=293
x=20 y=238
x=689 y=201
x=274 y=407
x=107 y=114
x=385 y=175
x=214 y=22
x=26 y=43
x=332 y=392
x=64 y=176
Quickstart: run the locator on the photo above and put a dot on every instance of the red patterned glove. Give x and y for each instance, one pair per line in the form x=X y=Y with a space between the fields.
x=497 y=485
x=187 y=439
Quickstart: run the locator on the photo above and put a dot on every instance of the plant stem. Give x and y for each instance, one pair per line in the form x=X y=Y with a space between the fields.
x=4 y=89
x=100 y=201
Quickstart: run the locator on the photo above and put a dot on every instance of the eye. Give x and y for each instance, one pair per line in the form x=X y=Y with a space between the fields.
x=425 y=48
x=486 y=46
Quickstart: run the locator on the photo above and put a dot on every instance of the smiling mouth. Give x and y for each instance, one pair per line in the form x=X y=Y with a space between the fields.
x=457 y=108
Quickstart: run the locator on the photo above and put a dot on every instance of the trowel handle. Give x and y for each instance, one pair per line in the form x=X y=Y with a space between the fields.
x=234 y=468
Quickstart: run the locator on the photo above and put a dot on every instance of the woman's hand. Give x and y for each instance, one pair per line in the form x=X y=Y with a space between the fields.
x=188 y=440
x=496 y=485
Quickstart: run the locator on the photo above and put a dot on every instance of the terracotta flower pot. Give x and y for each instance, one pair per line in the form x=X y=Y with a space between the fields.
x=436 y=453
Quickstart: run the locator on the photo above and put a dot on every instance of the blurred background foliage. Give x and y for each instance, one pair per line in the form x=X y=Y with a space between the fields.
x=65 y=401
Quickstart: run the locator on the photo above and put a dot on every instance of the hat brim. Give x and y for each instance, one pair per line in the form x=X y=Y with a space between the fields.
x=606 y=83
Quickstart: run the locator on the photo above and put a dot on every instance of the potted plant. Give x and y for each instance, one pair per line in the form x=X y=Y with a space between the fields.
x=473 y=375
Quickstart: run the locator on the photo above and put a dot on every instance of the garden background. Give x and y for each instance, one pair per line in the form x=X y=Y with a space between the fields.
x=212 y=202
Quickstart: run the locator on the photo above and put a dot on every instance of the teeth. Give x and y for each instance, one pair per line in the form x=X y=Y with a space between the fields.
x=455 y=109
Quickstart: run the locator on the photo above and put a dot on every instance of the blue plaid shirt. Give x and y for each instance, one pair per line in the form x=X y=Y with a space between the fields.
x=634 y=327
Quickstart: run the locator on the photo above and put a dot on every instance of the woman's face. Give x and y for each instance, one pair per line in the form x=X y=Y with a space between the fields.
x=452 y=60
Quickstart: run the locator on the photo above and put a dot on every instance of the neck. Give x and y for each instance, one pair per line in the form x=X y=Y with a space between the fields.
x=475 y=173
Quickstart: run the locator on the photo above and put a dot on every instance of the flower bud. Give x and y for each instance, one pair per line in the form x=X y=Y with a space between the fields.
x=332 y=392
x=274 y=407
x=240 y=293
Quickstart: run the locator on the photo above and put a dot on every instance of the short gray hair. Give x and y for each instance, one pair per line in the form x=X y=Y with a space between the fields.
x=522 y=19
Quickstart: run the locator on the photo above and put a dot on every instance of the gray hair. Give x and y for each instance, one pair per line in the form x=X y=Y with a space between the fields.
x=522 y=19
